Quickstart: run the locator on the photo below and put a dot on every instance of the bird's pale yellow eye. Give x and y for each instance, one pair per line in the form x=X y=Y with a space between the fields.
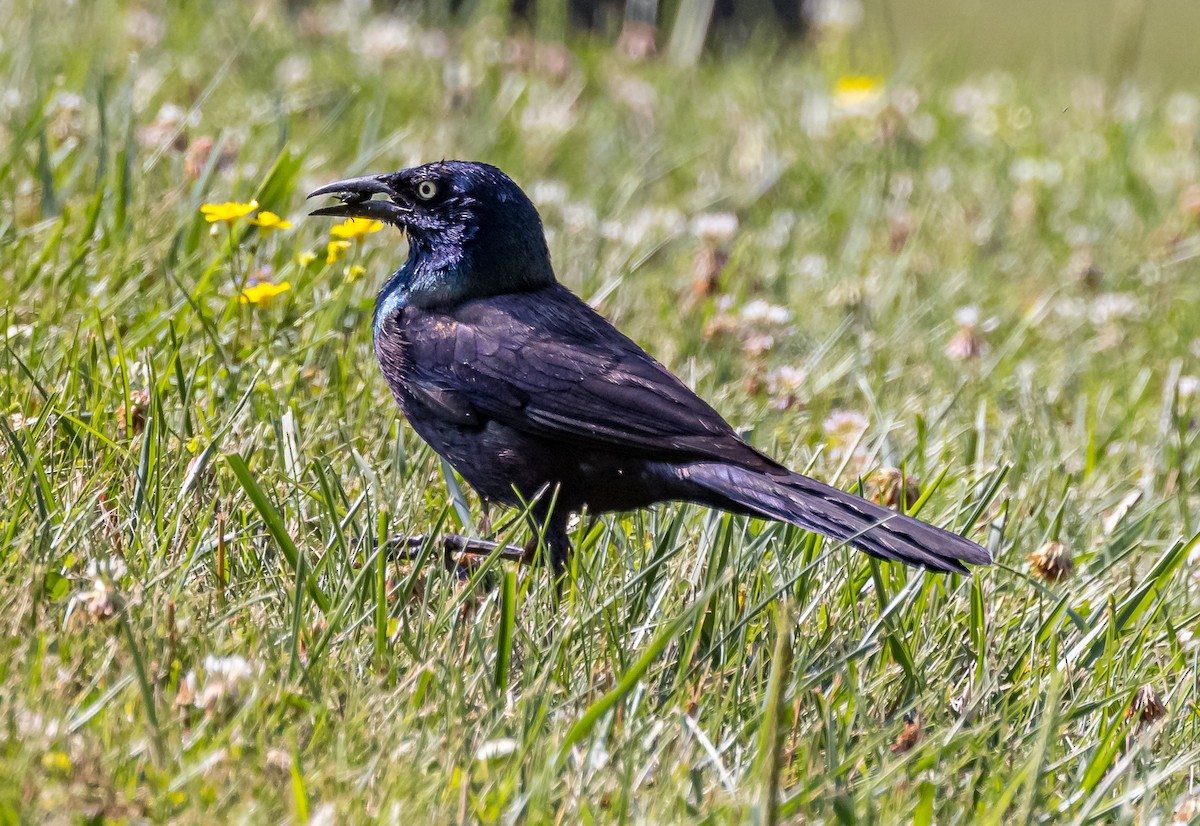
x=426 y=190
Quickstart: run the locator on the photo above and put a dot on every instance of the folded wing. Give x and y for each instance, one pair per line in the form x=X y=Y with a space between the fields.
x=546 y=363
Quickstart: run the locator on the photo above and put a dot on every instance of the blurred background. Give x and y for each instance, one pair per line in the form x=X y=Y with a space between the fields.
x=1152 y=40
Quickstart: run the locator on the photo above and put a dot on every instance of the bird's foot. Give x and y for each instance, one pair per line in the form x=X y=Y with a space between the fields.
x=460 y=554
x=405 y=546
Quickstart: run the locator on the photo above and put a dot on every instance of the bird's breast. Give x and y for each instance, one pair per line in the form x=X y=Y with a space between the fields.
x=390 y=302
x=393 y=348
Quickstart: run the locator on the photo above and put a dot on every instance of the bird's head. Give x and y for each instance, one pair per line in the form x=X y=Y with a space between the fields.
x=470 y=227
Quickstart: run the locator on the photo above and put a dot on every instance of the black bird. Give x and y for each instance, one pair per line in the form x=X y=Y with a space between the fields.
x=533 y=396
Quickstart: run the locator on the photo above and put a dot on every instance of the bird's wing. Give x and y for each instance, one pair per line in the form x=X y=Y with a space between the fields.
x=546 y=363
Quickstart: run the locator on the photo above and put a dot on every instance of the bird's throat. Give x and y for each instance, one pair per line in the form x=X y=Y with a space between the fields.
x=432 y=278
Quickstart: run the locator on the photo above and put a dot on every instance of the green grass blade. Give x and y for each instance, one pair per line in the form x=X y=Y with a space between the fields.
x=274 y=525
x=505 y=629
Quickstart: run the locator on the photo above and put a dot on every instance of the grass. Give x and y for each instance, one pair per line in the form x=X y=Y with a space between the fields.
x=201 y=623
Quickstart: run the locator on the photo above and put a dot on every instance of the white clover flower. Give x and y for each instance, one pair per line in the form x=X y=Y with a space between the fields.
x=816 y=115
x=111 y=567
x=433 y=44
x=757 y=344
x=967 y=316
x=923 y=127
x=977 y=104
x=10 y=100
x=18 y=331
x=32 y=725
x=1111 y=307
x=964 y=345
x=1070 y=308
x=551 y=116
x=941 y=179
x=1129 y=105
x=666 y=220
x=386 y=37
x=639 y=96
x=186 y=695
x=324 y=814
x=1078 y=235
x=1089 y=96
x=1183 y=110
x=813 y=266
x=173 y=115
x=495 y=749
x=549 y=192
x=100 y=597
x=837 y=14
x=651 y=222
x=578 y=216
x=66 y=101
x=294 y=70
x=845 y=427
x=223 y=678
x=144 y=27
x=233 y=668
x=1029 y=170
x=760 y=310
x=785 y=380
x=613 y=230
x=906 y=99
x=968 y=99
x=715 y=226
x=779 y=229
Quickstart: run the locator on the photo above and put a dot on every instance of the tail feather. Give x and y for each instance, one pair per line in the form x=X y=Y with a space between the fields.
x=839 y=515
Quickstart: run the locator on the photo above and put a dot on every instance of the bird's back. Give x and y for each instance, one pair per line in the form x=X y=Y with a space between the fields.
x=543 y=361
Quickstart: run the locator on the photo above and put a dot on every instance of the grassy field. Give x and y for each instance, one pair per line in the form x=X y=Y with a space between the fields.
x=988 y=281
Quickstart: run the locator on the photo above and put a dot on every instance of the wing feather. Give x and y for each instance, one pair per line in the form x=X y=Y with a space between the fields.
x=547 y=364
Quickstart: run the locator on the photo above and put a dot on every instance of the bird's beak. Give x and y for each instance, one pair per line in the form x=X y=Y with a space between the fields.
x=355 y=195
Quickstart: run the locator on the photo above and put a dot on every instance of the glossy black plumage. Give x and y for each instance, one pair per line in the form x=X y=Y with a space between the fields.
x=533 y=396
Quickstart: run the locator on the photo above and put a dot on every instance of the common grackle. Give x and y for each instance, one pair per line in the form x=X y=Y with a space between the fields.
x=532 y=396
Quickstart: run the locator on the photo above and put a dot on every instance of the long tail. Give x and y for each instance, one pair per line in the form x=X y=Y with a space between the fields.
x=842 y=516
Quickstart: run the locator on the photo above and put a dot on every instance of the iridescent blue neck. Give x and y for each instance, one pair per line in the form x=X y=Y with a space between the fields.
x=429 y=278
x=452 y=268
x=393 y=296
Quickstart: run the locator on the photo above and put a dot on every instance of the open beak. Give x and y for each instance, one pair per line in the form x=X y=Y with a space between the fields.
x=356 y=196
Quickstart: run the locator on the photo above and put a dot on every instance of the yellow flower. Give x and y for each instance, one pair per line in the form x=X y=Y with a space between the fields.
x=269 y=220
x=263 y=292
x=334 y=250
x=355 y=228
x=227 y=212
x=305 y=258
x=857 y=92
x=353 y=273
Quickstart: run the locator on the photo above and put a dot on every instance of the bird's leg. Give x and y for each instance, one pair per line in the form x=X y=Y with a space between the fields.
x=551 y=531
x=402 y=545
x=560 y=543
